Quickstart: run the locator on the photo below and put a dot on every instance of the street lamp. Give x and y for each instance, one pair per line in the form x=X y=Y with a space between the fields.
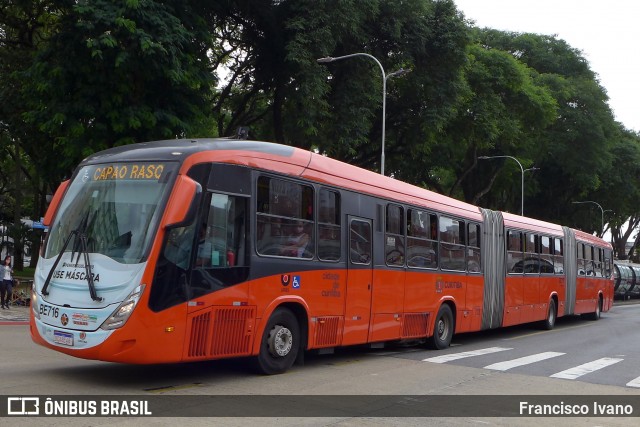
x=522 y=170
x=601 y=211
x=384 y=90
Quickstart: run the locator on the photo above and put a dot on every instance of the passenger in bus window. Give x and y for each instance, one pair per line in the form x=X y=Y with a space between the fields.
x=297 y=242
x=205 y=248
x=394 y=250
x=433 y=220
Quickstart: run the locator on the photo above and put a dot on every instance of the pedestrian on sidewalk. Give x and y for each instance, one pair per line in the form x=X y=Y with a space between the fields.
x=6 y=286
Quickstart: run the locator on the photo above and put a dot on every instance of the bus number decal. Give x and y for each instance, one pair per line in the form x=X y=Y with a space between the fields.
x=48 y=310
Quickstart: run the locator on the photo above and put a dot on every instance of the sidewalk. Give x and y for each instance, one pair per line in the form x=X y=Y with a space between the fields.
x=15 y=314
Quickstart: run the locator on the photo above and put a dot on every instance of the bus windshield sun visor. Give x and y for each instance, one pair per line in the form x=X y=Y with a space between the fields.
x=80 y=246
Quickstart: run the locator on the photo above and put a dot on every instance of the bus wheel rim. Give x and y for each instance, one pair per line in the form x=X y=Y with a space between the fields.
x=442 y=328
x=280 y=341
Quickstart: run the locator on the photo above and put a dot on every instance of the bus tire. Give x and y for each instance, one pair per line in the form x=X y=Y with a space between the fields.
x=280 y=343
x=550 y=322
x=596 y=314
x=442 y=329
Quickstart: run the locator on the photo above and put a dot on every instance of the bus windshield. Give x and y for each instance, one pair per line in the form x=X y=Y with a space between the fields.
x=114 y=207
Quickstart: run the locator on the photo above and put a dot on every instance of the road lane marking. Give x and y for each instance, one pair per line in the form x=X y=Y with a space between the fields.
x=586 y=368
x=455 y=356
x=503 y=366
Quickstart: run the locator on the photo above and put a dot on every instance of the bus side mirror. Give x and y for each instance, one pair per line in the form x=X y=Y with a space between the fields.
x=55 y=203
x=182 y=206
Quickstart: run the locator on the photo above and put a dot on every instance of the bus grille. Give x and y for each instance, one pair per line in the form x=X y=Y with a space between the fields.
x=327 y=331
x=221 y=332
x=199 y=334
x=415 y=325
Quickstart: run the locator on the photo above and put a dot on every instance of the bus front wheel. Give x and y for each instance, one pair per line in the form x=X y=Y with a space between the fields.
x=443 y=329
x=280 y=343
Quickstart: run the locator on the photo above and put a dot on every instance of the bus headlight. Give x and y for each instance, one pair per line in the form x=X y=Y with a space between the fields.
x=124 y=310
x=34 y=301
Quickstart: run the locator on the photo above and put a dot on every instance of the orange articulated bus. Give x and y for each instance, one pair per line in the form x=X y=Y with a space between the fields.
x=187 y=250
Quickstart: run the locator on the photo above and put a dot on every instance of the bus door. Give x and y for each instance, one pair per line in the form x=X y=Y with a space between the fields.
x=359 y=281
x=218 y=314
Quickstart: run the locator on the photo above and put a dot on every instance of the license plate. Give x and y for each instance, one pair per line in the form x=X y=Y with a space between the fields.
x=63 y=338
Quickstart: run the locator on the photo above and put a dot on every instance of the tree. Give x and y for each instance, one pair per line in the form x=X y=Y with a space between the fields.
x=107 y=73
x=504 y=111
x=574 y=151
x=618 y=193
x=275 y=86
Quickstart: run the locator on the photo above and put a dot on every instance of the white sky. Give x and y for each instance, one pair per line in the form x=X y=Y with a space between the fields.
x=607 y=33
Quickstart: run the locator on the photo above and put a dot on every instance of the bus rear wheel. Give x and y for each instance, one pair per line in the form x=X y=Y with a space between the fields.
x=280 y=343
x=596 y=314
x=443 y=329
x=550 y=322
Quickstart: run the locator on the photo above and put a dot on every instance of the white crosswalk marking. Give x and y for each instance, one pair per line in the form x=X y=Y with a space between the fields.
x=578 y=371
x=503 y=366
x=634 y=383
x=455 y=356
x=569 y=374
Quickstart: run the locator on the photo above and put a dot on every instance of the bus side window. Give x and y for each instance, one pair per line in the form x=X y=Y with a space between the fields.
x=221 y=238
x=422 y=239
x=452 y=244
x=531 y=263
x=329 y=226
x=360 y=242
x=473 y=249
x=285 y=219
x=558 y=256
x=588 y=260
x=394 y=236
x=515 y=257
x=546 y=259
x=607 y=263
x=221 y=259
x=581 y=260
x=170 y=278
x=597 y=261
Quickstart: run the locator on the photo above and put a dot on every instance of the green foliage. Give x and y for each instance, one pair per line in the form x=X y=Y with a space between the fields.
x=117 y=72
x=574 y=149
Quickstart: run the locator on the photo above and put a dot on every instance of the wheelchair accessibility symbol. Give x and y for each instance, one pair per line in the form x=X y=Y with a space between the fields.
x=296 y=282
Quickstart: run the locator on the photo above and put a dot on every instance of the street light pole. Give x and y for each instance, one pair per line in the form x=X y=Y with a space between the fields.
x=522 y=171
x=601 y=211
x=384 y=91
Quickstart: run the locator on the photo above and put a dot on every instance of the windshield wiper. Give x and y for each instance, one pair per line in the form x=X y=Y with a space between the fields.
x=80 y=246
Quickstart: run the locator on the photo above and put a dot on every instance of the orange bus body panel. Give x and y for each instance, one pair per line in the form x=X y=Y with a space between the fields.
x=337 y=305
